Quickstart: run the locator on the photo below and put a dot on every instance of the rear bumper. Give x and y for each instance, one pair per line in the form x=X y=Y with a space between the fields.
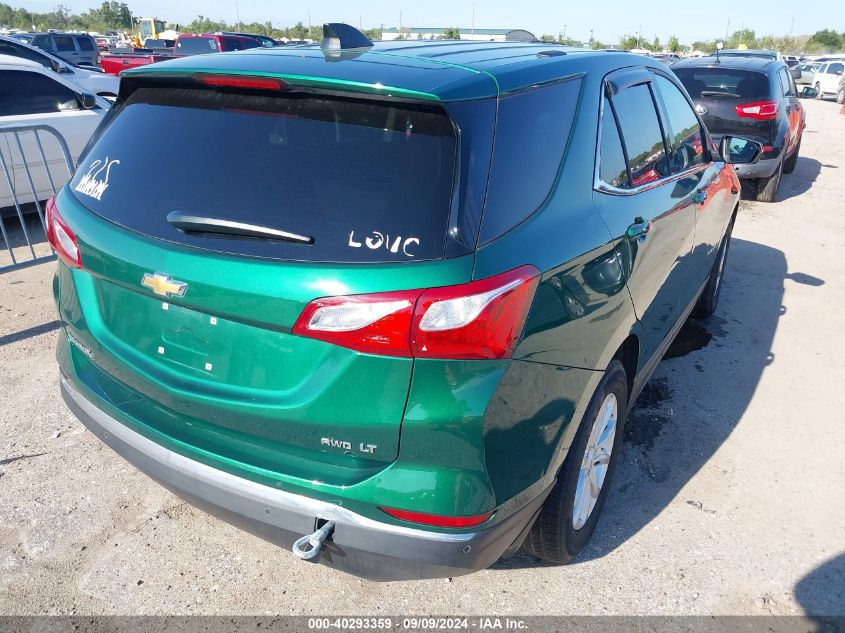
x=760 y=169
x=359 y=544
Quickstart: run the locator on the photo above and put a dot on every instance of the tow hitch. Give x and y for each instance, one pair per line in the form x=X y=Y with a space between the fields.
x=315 y=541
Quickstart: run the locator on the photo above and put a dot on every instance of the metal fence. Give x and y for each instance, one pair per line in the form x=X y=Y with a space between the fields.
x=26 y=183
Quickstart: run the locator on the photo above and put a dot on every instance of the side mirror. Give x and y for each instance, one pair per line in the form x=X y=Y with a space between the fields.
x=808 y=93
x=62 y=69
x=736 y=150
x=88 y=100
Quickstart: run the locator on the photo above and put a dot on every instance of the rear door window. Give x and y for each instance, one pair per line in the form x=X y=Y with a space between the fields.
x=27 y=92
x=85 y=43
x=531 y=135
x=64 y=43
x=613 y=169
x=641 y=134
x=368 y=181
x=686 y=145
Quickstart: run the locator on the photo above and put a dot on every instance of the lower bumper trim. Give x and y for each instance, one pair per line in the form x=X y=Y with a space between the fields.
x=359 y=545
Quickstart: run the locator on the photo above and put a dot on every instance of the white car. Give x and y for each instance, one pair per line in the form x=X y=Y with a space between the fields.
x=826 y=81
x=93 y=81
x=32 y=95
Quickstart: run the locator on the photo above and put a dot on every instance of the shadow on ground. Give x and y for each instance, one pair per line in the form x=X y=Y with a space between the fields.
x=821 y=594
x=753 y=294
x=800 y=181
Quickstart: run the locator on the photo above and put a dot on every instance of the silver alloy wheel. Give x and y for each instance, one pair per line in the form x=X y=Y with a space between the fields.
x=595 y=462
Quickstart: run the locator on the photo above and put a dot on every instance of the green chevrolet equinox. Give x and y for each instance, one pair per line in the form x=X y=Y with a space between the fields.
x=388 y=305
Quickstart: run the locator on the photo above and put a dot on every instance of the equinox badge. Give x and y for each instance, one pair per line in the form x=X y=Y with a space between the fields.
x=163 y=285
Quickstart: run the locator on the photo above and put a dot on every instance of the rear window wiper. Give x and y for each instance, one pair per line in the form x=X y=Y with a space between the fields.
x=717 y=93
x=192 y=223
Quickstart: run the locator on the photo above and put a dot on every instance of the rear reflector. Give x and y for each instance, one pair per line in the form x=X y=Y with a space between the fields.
x=480 y=319
x=437 y=520
x=61 y=238
x=760 y=110
x=240 y=81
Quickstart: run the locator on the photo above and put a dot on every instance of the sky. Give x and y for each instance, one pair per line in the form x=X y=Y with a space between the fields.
x=608 y=19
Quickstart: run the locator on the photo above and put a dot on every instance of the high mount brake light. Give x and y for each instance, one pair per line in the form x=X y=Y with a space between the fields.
x=437 y=520
x=61 y=238
x=760 y=110
x=241 y=81
x=480 y=319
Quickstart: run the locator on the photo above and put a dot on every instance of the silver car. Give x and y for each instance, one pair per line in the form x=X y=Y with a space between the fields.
x=805 y=73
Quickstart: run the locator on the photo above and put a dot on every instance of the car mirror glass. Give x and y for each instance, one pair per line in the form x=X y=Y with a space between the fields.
x=808 y=92
x=69 y=105
x=741 y=151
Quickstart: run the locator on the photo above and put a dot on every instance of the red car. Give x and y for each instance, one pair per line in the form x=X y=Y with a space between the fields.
x=188 y=44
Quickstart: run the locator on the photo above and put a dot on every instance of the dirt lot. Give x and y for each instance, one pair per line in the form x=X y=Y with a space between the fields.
x=728 y=499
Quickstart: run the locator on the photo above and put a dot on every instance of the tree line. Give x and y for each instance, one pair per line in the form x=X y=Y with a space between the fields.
x=117 y=16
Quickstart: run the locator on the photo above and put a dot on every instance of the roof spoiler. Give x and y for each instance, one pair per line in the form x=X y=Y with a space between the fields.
x=338 y=36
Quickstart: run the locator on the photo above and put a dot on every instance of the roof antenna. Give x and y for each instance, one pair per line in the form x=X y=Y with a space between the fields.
x=338 y=36
x=719 y=46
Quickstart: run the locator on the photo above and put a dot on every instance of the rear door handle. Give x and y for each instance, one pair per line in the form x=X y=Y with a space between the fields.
x=699 y=197
x=639 y=229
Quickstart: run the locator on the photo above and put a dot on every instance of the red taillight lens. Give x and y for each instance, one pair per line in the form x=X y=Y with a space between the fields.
x=61 y=238
x=437 y=520
x=481 y=319
x=761 y=110
x=239 y=81
x=375 y=323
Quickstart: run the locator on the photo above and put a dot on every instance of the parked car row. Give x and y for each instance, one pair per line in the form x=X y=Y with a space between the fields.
x=402 y=332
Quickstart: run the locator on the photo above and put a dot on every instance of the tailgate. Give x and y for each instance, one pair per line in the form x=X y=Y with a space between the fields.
x=196 y=269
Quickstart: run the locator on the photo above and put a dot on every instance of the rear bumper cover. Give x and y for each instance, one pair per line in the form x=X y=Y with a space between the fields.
x=359 y=544
x=761 y=169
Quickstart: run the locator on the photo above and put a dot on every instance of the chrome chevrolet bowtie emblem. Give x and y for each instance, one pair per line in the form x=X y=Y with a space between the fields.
x=163 y=285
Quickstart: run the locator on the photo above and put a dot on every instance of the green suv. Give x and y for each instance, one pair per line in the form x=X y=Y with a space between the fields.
x=389 y=304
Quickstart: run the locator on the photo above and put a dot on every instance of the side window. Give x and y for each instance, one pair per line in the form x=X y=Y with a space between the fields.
x=64 y=43
x=641 y=134
x=531 y=135
x=24 y=52
x=43 y=43
x=612 y=167
x=836 y=69
x=85 y=43
x=786 y=83
x=26 y=92
x=686 y=144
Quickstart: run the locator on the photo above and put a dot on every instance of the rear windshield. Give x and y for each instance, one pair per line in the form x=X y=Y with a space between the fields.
x=365 y=181
x=196 y=45
x=709 y=83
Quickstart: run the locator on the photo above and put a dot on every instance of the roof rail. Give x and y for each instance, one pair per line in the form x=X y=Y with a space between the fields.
x=338 y=36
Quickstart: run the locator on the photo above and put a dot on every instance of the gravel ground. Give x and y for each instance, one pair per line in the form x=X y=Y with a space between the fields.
x=728 y=498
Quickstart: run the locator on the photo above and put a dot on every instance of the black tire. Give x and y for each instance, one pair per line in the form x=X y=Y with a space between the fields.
x=818 y=88
x=768 y=187
x=554 y=537
x=840 y=96
x=789 y=165
x=709 y=299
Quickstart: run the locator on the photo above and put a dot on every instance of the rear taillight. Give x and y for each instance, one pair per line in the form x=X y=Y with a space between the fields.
x=760 y=110
x=61 y=238
x=480 y=319
x=437 y=520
